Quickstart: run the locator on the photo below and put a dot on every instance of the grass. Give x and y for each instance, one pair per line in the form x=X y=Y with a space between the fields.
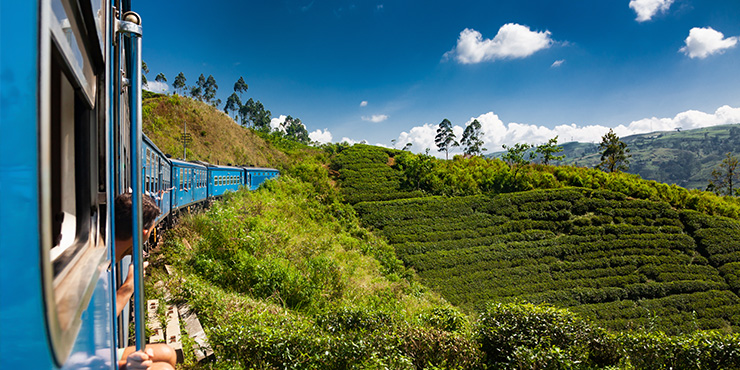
x=216 y=138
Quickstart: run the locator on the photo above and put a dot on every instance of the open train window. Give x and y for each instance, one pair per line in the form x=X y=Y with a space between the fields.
x=70 y=129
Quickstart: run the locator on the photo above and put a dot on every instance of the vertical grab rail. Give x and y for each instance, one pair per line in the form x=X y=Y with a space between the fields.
x=131 y=26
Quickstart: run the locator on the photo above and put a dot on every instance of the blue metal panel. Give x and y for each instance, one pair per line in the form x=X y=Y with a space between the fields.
x=23 y=337
x=257 y=176
x=93 y=345
x=190 y=193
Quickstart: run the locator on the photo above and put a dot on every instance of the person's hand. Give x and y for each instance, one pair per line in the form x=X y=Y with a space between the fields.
x=139 y=360
x=131 y=270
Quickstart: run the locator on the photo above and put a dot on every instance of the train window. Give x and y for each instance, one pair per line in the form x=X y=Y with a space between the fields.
x=182 y=178
x=67 y=35
x=69 y=129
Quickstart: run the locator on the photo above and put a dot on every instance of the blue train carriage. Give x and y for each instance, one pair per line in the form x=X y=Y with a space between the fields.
x=190 y=183
x=66 y=119
x=157 y=180
x=222 y=179
x=255 y=176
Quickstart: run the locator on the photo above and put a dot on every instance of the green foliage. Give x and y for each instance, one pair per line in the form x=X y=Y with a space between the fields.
x=548 y=151
x=518 y=155
x=614 y=153
x=574 y=247
x=471 y=139
x=281 y=279
x=525 y=336
x=179 y=82
x=365 y=173
x=726 y=177
x=684 y=158
x=445 y=138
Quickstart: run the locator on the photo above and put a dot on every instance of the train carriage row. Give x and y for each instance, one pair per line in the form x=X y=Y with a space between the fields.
x=175 y=184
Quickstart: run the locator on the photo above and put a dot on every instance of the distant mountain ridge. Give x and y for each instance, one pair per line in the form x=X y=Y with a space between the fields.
x=685 y=158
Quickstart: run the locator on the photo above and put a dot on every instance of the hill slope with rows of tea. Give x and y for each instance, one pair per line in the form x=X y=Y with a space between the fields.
x=622 y=251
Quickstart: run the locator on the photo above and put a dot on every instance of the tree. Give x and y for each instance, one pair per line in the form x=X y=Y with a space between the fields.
x=295 y=130
x=614 y=153
x=160 y=78
x=241 y=86
x=196 y=92
x=233 y=103
x=209 y=90
x=471 y=139
x=144 y=71
x=445 y=138
x=518 y=155
x=254 y=113
x=725 y=178
x=179 y=82
x=548 y=151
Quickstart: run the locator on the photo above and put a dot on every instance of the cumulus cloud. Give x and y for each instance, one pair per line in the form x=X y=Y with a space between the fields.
x=646 y=9
x=363 y=103
x=277 y=123
x=703 y=42
x=512 y=41
x=375 y=118
x=496 y=133
x=157 y=87
x=321 y=136
x=557 y=63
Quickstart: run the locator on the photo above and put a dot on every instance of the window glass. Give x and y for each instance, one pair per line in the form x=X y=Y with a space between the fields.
x=66 y=33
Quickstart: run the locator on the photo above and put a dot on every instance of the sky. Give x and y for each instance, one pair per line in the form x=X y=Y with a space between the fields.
x=387 y=72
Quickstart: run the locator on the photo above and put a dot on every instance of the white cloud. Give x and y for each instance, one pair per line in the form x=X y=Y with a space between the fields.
x=646 y=9
x=703 y=42
x=363 y=103
x=375 y=118
x=512 y=41
x=157 y=87
x=277 y=123
x=496 y=133
x=320 y=136
x=557 y=63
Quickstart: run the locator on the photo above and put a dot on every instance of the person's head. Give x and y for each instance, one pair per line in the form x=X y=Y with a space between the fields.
x=124 y=220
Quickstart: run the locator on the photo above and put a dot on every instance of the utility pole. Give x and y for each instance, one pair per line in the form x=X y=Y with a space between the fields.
x=185 y=139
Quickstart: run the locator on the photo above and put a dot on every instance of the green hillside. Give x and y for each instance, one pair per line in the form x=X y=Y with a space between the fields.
x=597 y=248
x=216 y=138
x=304 y=273
x=685 y=158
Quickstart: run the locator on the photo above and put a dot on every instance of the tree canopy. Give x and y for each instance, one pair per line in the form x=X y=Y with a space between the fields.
x=725 y=178
x=548 y=151
x=614 y=153
x=471 y=139
x=445 y=138
x=179 y=82
x=240 y=86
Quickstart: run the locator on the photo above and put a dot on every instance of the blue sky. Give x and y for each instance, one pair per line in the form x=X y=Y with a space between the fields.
x=527 y=70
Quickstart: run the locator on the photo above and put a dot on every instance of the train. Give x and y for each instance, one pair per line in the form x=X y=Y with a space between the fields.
x=176 y=184
x=71 y=141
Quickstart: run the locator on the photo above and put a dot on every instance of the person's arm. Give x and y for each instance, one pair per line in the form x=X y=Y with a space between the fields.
x=126 y=290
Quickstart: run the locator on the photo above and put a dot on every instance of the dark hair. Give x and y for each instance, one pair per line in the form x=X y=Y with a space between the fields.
x=150 y=211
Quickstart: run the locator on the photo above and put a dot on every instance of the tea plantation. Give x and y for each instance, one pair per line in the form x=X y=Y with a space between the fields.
x=623 y=262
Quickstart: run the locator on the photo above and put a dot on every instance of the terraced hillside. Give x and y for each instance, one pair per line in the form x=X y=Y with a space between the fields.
x=623 y=262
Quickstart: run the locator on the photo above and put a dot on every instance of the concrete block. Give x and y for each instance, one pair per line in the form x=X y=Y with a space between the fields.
x=195 y=330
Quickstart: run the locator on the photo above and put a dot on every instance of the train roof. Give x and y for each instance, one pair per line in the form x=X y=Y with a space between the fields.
x=259 y=168
x=182 y=163
x=149 y=142
x=211 y=165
